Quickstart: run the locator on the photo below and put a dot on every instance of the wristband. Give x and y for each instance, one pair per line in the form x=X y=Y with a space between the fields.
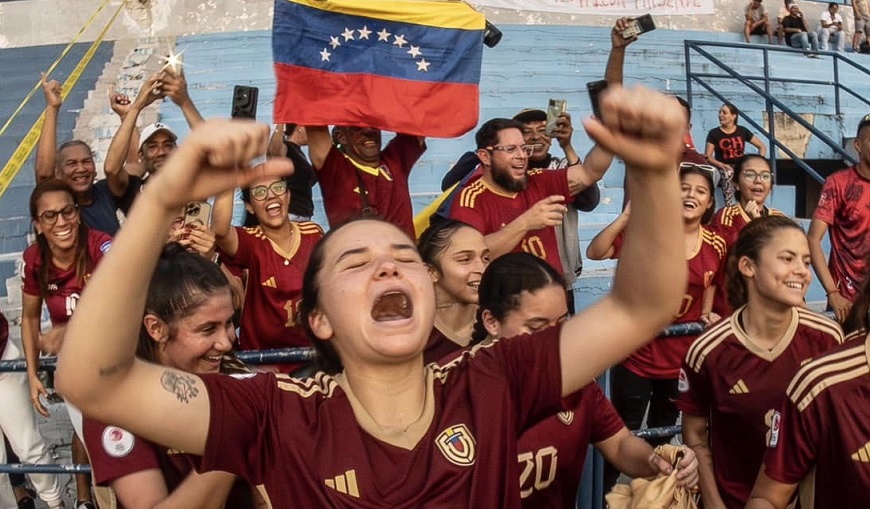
x=832 y=292
x=575 y=163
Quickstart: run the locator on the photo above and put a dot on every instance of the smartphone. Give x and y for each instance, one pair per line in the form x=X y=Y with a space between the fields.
x=245 y=101
x=198 y=212
x=595 y=88
x=555 y=108
x=174 y=63
x=639 y=25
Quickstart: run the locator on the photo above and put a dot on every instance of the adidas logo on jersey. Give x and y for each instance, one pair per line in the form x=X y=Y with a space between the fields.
x=739 y=388
x=270 y=283
x=863 y=454
x=344 y=483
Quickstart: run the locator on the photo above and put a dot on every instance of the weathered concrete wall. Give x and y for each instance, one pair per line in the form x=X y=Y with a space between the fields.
x=39 y=22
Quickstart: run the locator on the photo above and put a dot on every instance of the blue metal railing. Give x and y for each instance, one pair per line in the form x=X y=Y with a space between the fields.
x=838 y=59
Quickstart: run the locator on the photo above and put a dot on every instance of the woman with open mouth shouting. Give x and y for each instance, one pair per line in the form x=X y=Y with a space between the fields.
x=378 y=428
x=648 y=378
x=752 y=181
x=456 y=255
x=733 y=381
x=275 y=254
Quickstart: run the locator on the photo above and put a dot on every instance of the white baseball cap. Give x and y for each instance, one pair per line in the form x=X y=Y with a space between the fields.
x=152 y=129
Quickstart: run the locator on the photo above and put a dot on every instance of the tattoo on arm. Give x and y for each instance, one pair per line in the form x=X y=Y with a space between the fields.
x=183 y=386
x=117 y=368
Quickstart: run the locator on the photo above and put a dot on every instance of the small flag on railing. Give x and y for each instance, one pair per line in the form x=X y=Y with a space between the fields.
x=409 y=66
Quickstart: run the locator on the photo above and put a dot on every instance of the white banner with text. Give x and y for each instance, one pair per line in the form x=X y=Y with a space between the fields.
x=612 y=7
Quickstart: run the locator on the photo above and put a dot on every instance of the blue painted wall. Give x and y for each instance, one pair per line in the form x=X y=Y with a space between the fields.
x=20 y=71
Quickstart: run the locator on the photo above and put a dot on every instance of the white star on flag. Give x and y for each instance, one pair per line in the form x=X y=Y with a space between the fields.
x=364 y=32
x=324 y=55
x=400 y=41
x=348 y=34
x=423 y=65
x=383 y=35
x=414 y=51
x=333 y=41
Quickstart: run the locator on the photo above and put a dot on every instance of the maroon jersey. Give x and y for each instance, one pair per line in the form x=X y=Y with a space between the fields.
x=739 y=386
x=311 y=442
x=385 y=186
x=115 y=453
x=274 y=290
x=4 y=333
x=844 y=206
x=489 y=210
x=825 y=423
x=552 y=453
x=64 y=288
x=661 y=359
x=727 y=223
x=439 y=346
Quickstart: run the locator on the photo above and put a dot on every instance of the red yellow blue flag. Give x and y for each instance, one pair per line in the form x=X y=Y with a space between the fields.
x=408 y=66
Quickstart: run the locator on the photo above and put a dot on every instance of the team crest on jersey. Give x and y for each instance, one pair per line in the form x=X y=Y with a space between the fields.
x=457 y=445
x=683 y=382
x=117 y=442
x=566 y=417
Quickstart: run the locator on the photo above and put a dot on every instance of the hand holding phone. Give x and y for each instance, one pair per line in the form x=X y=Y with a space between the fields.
x=197 y=212
x=639 y=25
x=555 y=108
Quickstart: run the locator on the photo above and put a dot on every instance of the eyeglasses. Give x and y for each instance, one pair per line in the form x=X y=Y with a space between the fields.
x=514 y=150
x=278 y=187
x=49 y=217
x=751 y=176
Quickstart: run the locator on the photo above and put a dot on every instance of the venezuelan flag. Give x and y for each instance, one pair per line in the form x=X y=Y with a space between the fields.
x=408 y=66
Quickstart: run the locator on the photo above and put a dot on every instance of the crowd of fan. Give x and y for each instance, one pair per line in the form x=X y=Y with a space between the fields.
x=502 y=254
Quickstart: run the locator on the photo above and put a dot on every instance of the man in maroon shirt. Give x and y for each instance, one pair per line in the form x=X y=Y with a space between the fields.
x=844 y=211
x=358 y=178
x=516 y=209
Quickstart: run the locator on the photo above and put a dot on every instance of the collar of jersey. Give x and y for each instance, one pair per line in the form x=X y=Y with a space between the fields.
x=371 y=170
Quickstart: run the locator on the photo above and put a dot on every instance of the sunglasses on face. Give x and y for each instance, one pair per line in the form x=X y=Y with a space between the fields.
x=278 y=187
x=49 y=217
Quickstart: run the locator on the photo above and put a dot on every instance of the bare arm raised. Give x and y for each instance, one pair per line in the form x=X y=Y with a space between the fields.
x=46 y=152
x=646 y=130
x=97 y=369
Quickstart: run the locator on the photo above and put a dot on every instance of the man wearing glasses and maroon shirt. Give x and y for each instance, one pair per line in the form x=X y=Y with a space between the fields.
x=515 y=208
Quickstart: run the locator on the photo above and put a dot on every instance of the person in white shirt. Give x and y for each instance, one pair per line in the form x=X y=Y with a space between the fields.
x=831 y=27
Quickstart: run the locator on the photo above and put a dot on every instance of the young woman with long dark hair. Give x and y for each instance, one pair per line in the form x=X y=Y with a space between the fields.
x=734 y=378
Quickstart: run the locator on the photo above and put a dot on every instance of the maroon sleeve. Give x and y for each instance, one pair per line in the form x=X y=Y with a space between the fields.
x=791 y=451
x=694 y=388
x=239 y=424
x=533 y=369
x=28 y=275
x=402 y=152
x=98 y=245
x=115 y=452
x=829 y=200
x=244 y=251
x=606 y=421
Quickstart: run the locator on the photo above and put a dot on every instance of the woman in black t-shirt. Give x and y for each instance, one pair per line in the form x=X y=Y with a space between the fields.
x=725 y=145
